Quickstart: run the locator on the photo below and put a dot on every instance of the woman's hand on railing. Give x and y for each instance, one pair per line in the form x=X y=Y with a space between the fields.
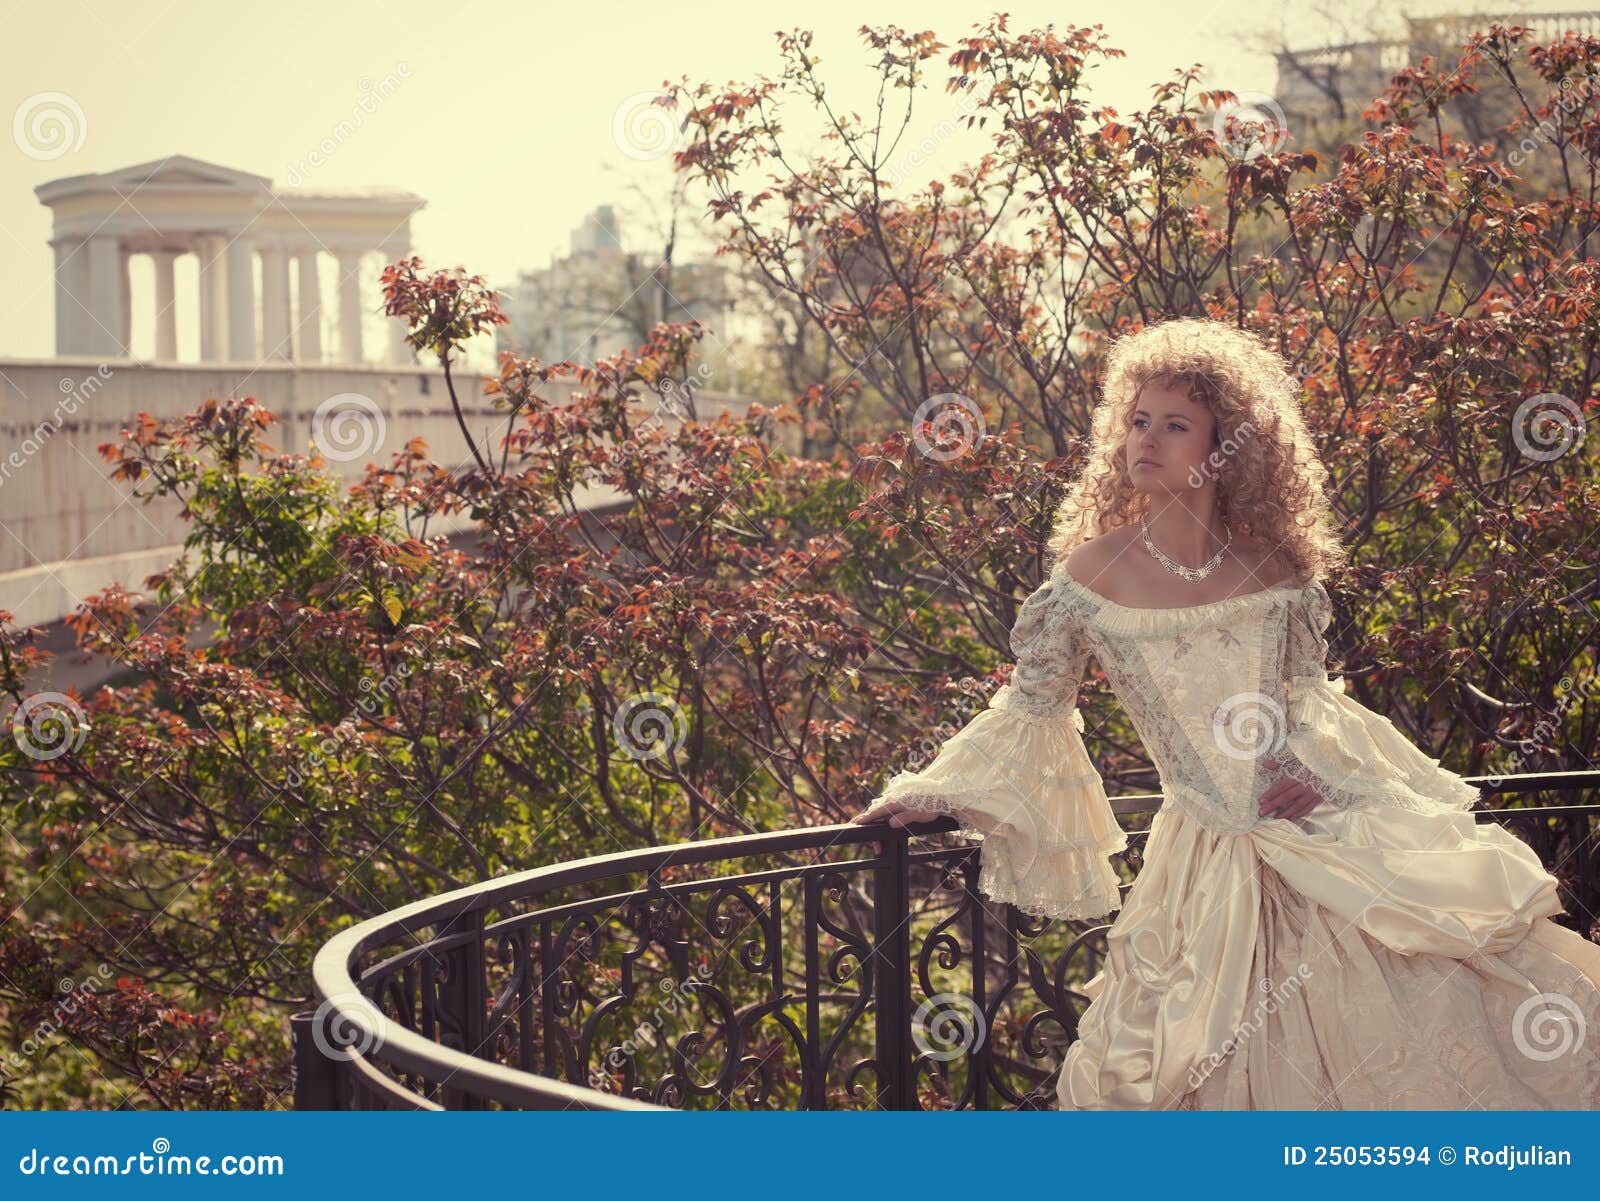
x=895 y=813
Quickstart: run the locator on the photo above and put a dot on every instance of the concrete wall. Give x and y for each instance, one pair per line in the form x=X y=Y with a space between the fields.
x=67 y=529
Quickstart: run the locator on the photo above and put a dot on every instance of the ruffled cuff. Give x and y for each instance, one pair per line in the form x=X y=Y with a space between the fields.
x=1023 y=784
x=1354 y=757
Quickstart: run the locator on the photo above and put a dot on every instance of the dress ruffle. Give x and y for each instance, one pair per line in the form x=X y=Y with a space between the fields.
x=1362 y=758
x=1110 y=617
x=1024 y=785
x=1351 y=959
x=1383 y=951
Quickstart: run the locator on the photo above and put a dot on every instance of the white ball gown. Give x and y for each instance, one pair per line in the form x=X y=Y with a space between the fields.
x=1385 y=951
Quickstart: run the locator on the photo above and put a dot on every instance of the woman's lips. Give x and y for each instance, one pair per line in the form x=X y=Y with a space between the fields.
x=1147 y=463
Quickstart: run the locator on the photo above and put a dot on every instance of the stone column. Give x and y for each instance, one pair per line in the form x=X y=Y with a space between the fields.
x=399 y=353
x=396 y=352
x=241 y=301
x=71 y=258
x=275 y=324
x=212 y=250
x=125 y=283
x=106 y=266
x=350 y=307
x=166 y=310
x=309 y=326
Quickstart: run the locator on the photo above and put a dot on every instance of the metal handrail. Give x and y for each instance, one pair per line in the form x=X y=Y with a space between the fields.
x=335 y=1072
x=409 y=1051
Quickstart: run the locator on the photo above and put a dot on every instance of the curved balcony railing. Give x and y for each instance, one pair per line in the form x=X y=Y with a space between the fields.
x=831 y=968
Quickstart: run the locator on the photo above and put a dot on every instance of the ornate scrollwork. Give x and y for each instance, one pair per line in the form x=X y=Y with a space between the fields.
x=760 y=990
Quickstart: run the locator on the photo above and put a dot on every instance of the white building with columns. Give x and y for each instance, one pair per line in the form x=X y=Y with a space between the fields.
x=258 y=251
x=272 y=306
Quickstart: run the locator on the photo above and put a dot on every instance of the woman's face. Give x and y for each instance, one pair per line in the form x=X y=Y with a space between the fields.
x=1170 y=439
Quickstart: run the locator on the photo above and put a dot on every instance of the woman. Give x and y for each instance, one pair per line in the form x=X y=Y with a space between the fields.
x=1319 y=922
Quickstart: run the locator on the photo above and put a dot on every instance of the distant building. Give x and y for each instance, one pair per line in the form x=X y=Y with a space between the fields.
x=1326 y=84
x=267 y=267
x=258 y=253
x=264 y=289
x=599 y=299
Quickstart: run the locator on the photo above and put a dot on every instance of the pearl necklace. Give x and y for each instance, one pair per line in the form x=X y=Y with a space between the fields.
x=1188 y=573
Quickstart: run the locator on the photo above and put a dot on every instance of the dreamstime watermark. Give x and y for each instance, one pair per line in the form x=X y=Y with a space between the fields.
x=158 y=1161
x=645 y=130
x=1277 y=995
x=1254 y=725
x=1545 y=728
x=674 y=401
x=1248 y=725
x=971 y=701
x=947 y=426
x=680 y=393
x=651 y=1029
x=1574 y=94
x=1547 y=426
x=649 y=725
x=348 y=1025
x=947 y=1026
x=347 y=426
x=1251 y=125
x=372 y=694
x=370 y=98
x=75 y=393
x=924 y=150
x=1548 y=1026
x=75 y=993
x=1214 y=463
x=48 y=125
x=46 y=725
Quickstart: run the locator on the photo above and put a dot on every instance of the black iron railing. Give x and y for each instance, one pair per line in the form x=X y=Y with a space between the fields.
x=837 y=967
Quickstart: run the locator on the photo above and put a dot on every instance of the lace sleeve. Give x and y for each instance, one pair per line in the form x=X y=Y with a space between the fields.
x=1306 y=652
x=1019 y=778
x=1352 y=756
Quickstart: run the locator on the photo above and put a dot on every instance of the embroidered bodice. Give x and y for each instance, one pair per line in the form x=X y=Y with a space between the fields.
x=1215 y=691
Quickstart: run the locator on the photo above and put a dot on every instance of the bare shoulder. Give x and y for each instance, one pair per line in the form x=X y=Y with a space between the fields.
x=1097 y=563
x=1103 y=564
x=1264 y=562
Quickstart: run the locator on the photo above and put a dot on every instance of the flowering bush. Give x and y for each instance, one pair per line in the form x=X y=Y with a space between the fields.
x=337 y=710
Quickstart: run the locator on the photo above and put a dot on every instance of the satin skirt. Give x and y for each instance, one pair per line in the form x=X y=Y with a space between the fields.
x=1349 y=959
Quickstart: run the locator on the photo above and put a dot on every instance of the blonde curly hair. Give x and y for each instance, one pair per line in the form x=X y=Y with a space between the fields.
x=1270 y=482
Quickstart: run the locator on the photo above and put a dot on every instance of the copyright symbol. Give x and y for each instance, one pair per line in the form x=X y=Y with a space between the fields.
x=1447 y=1155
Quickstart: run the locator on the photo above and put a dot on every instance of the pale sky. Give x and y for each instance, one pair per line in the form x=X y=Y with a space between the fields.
x=503 y=115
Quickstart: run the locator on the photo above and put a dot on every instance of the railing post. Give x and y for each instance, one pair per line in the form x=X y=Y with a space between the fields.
x=314 y=1077
x=891 y=935
x=980 y=1059
x=462 y=996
